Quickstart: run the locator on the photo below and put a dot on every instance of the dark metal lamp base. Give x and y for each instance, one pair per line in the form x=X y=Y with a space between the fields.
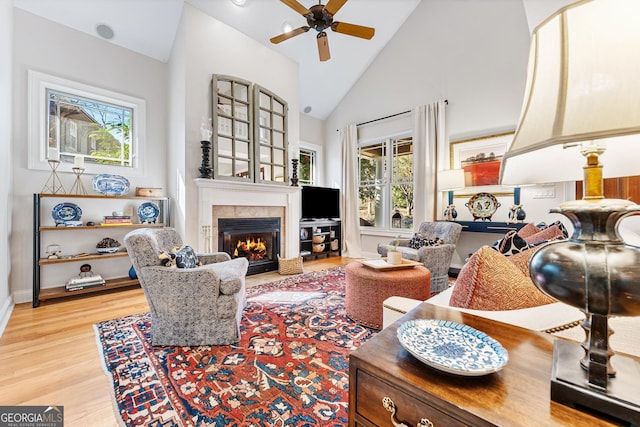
x=620 y=401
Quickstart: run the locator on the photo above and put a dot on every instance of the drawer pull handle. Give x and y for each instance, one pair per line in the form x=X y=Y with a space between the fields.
x=390 y=406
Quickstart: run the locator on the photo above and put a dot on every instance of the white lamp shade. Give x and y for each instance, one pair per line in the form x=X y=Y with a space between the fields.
x=452 y=179
x=583 y=84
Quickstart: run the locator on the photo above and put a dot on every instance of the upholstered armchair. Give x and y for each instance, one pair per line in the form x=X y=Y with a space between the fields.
x=189 y=306
x=436 y=258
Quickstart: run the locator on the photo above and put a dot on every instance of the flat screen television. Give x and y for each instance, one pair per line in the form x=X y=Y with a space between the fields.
x=320 y=202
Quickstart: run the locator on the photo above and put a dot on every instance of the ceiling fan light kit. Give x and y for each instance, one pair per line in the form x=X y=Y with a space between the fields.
x=320 y=17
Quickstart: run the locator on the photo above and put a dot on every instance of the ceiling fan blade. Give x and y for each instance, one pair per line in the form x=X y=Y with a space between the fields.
x=293 y=4
x=353 y=30
x=285 y=36
x=323 y=47
x=333 y=6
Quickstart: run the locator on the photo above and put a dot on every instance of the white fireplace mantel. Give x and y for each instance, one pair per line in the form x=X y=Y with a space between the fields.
x=233 y=193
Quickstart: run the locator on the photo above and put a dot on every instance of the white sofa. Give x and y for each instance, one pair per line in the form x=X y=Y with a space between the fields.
x=558 y=318
x=541 y=318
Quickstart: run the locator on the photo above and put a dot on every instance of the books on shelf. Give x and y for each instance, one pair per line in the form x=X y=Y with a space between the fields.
x=116 y=220
x=77 y=283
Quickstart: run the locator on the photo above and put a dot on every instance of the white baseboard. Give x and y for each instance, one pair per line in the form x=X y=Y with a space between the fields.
x=5 y=313
x=23 y=296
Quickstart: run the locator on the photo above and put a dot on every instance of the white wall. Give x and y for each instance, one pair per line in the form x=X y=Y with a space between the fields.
x=474 y=54
x=176 y=128
x=6 y=52
x=51 y=48
x=312 y=137
x=212 y=47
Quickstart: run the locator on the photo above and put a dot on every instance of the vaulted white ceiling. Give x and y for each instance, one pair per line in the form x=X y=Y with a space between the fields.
x=149 y=26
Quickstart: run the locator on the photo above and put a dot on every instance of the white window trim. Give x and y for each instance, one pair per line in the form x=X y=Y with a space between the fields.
x=39 y=83
x=319 y=162
x=385 y=229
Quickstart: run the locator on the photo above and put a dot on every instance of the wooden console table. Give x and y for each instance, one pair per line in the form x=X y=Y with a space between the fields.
x=489 y=226
x=517 y=395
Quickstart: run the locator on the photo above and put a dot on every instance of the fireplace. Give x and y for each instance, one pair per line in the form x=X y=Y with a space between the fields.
x=256 y=239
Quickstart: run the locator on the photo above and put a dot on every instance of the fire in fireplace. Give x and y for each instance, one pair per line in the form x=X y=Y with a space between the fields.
x=253 y=249
x=256 y=239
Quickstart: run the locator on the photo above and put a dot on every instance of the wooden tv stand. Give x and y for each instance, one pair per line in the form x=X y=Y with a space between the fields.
x=519 y=394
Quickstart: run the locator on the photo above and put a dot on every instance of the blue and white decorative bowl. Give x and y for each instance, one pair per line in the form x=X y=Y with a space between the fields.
x=452 y=347
x=107 y=250
x=110 y=185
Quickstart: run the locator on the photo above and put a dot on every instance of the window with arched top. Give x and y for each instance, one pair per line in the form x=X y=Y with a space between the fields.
x=250 y=135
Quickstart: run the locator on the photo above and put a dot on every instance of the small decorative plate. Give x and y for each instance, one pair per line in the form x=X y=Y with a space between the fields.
x=110 y=185
x=66 y=212
x=148 y=212
x=452 y=347
x=483 y=206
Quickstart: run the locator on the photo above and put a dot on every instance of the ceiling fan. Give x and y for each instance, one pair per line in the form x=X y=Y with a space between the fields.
x=320 y=17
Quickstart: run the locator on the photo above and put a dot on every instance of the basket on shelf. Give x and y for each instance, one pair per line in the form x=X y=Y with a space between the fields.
x=318 y=247
x=334 y=245
x=318 y=238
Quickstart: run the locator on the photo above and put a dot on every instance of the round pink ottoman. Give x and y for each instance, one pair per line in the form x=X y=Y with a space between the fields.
x=367 y=288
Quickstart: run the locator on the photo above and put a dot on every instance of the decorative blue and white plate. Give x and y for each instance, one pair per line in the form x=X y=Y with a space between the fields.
x=452 y=347
x=148 y=212
x=110 y=185
x=66 y=211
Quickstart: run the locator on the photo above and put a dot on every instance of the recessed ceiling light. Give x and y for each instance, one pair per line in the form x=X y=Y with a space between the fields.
x=104 y=31
x=239 y=2
x=307 y=109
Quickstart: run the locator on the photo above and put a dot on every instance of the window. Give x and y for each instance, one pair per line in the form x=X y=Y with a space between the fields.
x=233 y=142
x=307 y=167
x=97 y=131
x=386 y=183
x=73 y=119
x=271 y=141
x=249 y=132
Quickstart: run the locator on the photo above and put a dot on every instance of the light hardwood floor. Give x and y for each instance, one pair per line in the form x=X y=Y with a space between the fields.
x=49 y=356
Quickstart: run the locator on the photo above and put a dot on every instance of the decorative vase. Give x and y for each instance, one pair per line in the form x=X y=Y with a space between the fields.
x=394 y=257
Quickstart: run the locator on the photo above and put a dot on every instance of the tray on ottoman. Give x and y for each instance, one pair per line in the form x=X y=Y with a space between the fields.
x=383 y=265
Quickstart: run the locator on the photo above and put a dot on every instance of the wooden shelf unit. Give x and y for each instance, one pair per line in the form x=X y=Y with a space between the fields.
x=39 y=261
x=324 y=227
x=111 y=284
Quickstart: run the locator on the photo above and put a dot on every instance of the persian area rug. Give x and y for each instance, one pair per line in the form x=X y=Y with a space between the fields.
x=290 y=367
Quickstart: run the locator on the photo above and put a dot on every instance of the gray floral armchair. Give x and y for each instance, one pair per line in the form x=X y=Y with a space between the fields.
x=189 y=306
x=435 y=258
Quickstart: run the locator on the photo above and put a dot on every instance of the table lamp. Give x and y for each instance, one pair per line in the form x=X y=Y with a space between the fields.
x=583 y=97
x=450 y=180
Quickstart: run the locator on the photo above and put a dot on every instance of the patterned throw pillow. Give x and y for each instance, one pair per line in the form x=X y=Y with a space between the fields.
x=489 y=281
x=528 y=230
x=181 y=257
x=511 y=243
x=530 y=236
x=555 y=231
x=418 y=241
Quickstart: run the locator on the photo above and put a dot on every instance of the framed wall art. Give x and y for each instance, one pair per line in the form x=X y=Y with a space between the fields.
x=481 y=157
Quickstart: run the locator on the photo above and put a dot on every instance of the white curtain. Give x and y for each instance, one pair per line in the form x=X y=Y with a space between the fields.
x=429 y=141
x=349 y=207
